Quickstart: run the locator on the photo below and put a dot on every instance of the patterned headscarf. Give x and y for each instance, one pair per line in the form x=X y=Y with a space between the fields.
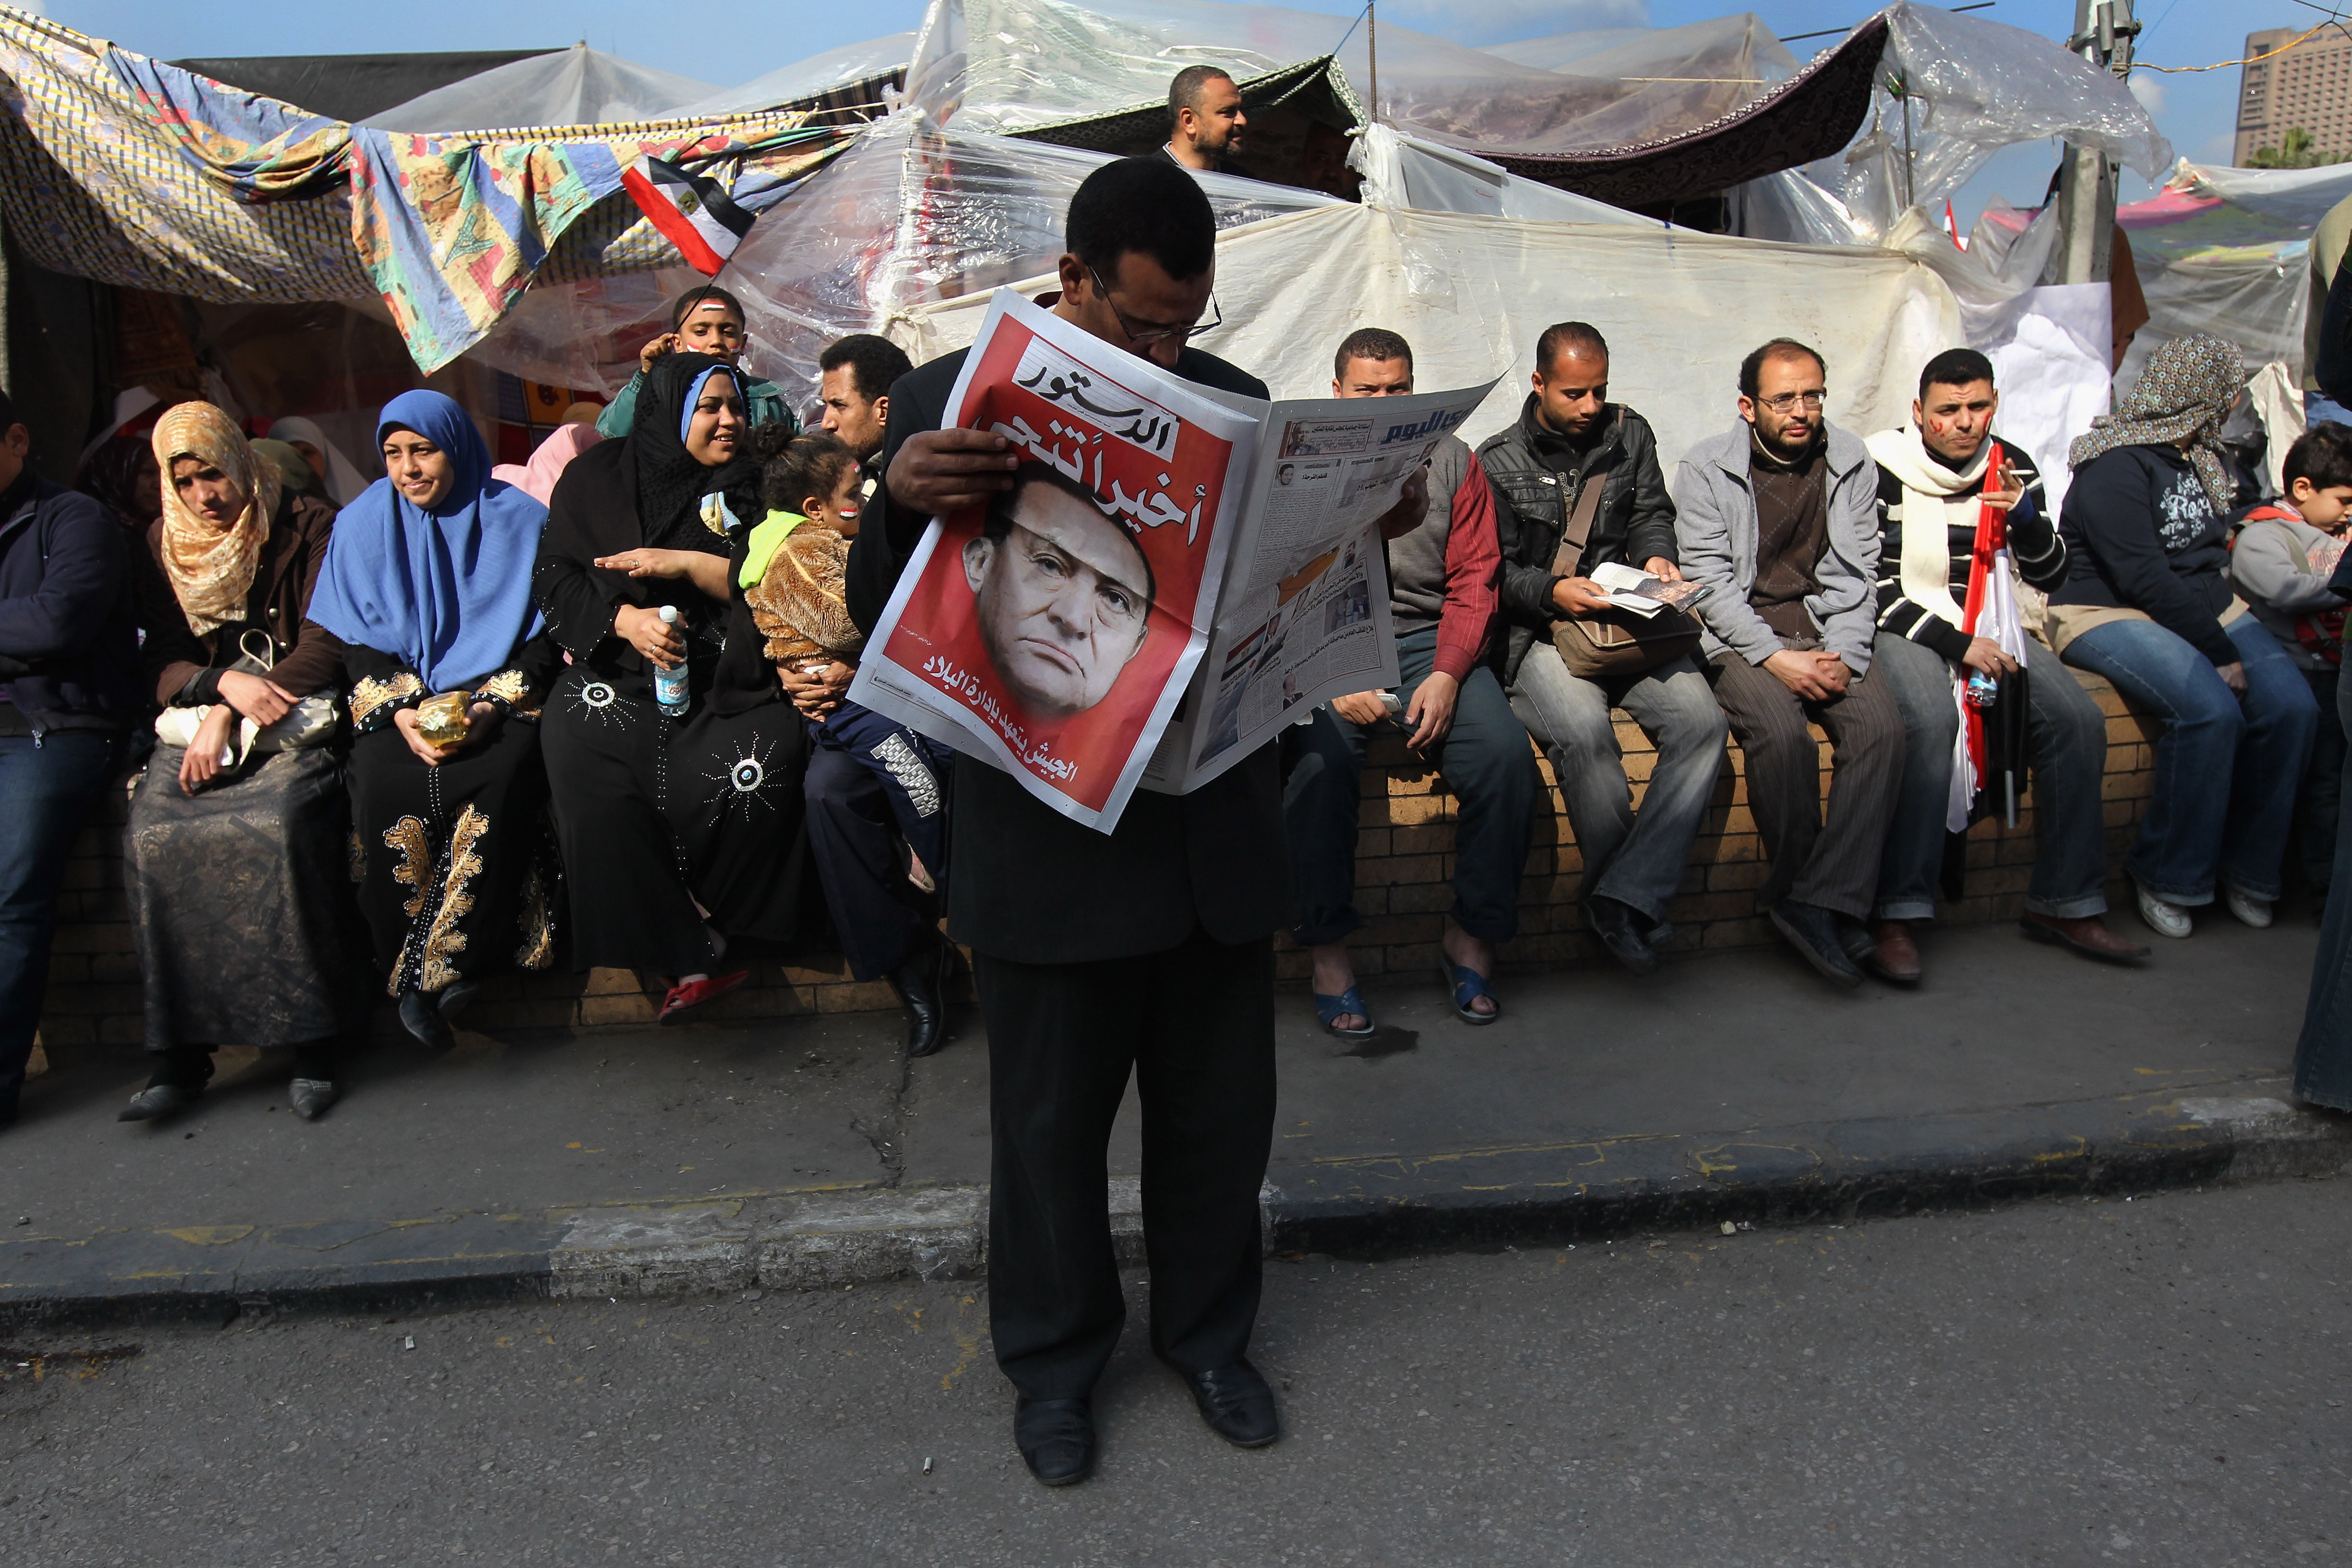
x=2184 y=394
x=211 y=568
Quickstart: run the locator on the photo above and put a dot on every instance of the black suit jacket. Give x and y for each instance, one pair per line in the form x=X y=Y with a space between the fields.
x=1026 y=883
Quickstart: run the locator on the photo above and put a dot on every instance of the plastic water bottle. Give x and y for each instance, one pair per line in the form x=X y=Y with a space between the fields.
x=669 y=685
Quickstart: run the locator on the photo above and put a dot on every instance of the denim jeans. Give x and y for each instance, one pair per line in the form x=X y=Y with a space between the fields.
x=2226 y=767
x=2069 y=736
x=46 y=786
x=1485 y=760
x=1638 y=862
x=2323 y=1057
x=2318 y=408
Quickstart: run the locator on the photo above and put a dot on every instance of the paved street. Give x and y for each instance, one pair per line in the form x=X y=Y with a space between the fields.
x=2162 y=1381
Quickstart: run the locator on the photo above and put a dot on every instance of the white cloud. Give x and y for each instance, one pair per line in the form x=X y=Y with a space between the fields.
x=2149 y=89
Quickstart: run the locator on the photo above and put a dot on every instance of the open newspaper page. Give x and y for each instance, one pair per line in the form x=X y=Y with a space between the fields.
x=1052 y=632
x=1303 y=617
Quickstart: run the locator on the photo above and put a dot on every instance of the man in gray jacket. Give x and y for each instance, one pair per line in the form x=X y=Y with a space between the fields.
x=1779 y=517
x=1574 y=449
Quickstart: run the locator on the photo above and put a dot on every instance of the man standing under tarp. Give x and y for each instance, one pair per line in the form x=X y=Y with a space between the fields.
x=1147 y=949
x=1205 y=122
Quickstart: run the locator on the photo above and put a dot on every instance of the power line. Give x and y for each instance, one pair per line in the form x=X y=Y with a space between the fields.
x=1826 y=32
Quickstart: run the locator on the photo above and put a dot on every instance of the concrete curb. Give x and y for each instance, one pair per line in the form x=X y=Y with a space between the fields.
x=1360 y=1205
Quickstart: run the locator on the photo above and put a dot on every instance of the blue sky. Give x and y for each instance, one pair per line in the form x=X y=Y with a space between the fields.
x=728 y=41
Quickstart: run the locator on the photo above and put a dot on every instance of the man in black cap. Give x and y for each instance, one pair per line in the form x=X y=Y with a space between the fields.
x=1148 y=949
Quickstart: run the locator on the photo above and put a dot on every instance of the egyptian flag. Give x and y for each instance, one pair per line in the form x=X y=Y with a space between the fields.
x=693 y=214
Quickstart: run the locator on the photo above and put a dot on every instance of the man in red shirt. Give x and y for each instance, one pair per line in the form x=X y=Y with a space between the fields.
x=1442 y=597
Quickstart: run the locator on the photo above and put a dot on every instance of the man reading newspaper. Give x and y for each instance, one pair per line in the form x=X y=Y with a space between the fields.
x=1148 y=948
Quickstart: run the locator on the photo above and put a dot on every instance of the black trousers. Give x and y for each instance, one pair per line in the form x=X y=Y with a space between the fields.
x=1196 y=1024
x=882 y=918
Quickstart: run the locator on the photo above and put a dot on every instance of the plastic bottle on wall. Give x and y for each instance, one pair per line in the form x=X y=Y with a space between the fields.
x=669 y=685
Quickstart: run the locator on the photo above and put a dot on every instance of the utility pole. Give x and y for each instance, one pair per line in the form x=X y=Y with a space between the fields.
x=2104 y=31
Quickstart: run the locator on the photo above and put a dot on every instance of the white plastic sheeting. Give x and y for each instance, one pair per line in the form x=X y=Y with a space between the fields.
x=1975 y=87
x=2257 y=298
x=909 y=215
x=2297 y=196
x=1006 y=65
x=586 y=333
x=1402 y=171
x=580 y=86
x=811 y=78
x=1470 y=294
x=1664 y=80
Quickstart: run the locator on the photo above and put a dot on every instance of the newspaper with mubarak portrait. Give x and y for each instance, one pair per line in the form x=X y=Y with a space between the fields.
x=1175 y=575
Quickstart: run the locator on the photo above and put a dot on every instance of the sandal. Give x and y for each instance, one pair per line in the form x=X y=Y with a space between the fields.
x=1467 y=985
x=1351 y=1000
x=683 y=999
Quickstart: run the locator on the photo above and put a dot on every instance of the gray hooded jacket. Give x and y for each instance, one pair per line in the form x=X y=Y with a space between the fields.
x=1715 y=525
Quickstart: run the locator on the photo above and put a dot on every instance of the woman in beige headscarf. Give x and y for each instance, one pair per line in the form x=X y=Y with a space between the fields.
x=242 y=902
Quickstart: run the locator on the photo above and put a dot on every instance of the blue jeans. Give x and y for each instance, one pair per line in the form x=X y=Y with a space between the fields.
x=46 y=786
x=2226 y=768
x=2069 y=736
x=1486 y=759
x=2323 y=1057
x=2318 y=408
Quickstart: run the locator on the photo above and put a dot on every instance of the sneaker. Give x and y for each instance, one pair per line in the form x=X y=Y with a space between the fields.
x=1813 y=933
x=2164 y=919
x=1620 y=931
x=2253 y=911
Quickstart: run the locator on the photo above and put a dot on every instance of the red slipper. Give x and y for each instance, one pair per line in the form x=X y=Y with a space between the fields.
x=683 y=999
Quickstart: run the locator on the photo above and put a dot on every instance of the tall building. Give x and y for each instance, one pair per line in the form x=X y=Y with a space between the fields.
x=2309 y=85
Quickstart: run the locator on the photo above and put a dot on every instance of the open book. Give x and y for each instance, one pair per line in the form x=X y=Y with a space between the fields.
x=1060 y=632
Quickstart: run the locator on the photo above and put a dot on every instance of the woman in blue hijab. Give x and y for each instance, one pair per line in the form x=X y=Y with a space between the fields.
x=428 y=583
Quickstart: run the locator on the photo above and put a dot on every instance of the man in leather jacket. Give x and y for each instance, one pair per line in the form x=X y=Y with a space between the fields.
x=1568 y=438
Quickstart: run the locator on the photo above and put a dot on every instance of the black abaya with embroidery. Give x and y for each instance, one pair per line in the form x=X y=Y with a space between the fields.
x=658 y=815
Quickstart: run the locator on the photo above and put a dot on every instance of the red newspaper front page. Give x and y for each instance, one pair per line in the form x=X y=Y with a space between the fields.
x=1052 y=632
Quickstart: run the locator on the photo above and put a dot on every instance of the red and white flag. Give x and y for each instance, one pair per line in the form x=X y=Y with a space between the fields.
x=694 y=214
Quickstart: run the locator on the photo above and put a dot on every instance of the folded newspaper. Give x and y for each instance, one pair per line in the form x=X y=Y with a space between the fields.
x=1175 y=575
x=1631 y=588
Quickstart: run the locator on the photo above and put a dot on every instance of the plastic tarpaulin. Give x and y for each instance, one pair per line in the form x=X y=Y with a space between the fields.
x=850 y=66
x=1660 y=81
x=1402 y=171
x=1470 y=294
x=2298 y=197
x=909 y=215
x=580 y=86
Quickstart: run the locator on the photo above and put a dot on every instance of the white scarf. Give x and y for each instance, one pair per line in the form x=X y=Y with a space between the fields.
x=1927 y=484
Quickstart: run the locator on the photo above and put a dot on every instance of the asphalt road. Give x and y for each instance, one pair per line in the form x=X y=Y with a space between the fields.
x=2162 y=1381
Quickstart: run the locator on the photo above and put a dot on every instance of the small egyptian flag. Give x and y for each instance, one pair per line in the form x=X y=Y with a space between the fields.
x=695 y=214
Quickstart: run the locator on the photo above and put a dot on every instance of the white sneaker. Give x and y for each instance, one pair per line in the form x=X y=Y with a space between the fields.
x=2254 y=911
x=2164 y=919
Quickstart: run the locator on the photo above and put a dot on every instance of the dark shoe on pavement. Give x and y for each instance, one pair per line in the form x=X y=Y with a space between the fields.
x=456 y=996
x=1236 y=1404
x=1056 y=1438
x=1893 y=956
x=158 y=1100
x=1813 y=931
x=1620 y=931
x=921 y=984
x=2088 y=936
x=309 y=1097
x=421 y=1016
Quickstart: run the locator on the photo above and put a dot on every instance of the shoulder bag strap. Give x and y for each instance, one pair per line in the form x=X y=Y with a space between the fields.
x=1579 y=531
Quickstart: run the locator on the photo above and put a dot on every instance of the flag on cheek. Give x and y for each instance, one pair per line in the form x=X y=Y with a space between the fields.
x=694 y=214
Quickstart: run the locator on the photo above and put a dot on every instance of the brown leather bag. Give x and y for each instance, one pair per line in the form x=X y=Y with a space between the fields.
x=1612 y=642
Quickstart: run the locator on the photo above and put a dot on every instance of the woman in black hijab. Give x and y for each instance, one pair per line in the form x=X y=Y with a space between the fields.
x=678 y=834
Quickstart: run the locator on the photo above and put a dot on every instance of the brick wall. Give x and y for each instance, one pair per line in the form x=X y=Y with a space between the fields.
x=1404 y=871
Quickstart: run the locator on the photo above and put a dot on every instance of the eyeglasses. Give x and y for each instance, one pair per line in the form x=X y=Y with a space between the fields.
x=1783 y=401
x=1145 y=333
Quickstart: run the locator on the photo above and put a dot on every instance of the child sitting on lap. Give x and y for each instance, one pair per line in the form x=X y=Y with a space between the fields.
x=794 y=583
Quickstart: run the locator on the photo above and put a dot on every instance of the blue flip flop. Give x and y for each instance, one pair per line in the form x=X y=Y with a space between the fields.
x=1351 y=1000
x=1468 y=985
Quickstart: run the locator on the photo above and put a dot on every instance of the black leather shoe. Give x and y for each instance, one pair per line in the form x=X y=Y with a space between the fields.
x=1813 y=933
x=1056 y=1438
x=921 y=984
x=1621 y=933
x=420 y=1015
x=456 y=996
x=1236 y=1404
x=156 y=1101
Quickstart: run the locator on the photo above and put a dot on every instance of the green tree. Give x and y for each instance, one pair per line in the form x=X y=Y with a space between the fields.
x=2294 y=151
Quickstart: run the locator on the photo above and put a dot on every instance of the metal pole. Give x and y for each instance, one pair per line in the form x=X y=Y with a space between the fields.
x=1372 y=48
x=2103 y=32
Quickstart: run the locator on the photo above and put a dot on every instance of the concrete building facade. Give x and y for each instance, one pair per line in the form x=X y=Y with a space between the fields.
x=2309 y=85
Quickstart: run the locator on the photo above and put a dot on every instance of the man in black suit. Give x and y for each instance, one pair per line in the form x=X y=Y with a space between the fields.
x=1149 y=948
